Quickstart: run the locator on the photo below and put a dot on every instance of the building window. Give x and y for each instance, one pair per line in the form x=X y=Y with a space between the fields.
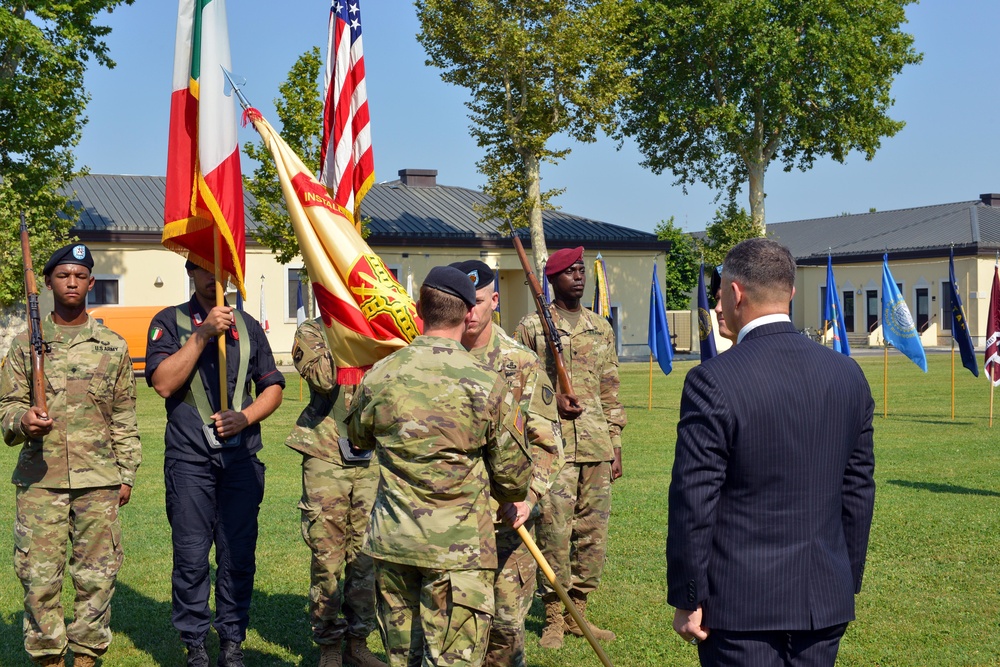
x=848 y=308
x=106 y=291
x=923 y=308
x=294 y=275
x=946 y=306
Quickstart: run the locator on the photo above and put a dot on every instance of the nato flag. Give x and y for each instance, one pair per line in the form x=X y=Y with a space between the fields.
x=659 y=333
x=897 y=323
x=959 y=325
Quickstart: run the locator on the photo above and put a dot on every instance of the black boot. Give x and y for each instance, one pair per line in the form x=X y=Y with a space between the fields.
x=230 y=654
x=197 y=656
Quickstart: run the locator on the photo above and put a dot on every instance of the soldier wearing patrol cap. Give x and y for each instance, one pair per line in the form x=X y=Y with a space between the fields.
x=572 y=531
x=76 y=467
x=514 y=584
x=449 y=434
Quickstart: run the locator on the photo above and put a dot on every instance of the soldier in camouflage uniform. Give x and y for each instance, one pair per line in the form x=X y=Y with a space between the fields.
x=572 y=530
x=76 y=468
x=514 y=585
x=449 y=434
x=338 y=490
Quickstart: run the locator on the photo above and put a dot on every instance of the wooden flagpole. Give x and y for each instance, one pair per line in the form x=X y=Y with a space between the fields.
x=220 y=300
x=992 y=387
x=953 y=376
x=885 y=378
x=650 y=407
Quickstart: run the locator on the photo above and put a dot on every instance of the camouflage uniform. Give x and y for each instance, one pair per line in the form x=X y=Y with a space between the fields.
x=514 y=584
x=430 y=407
x=572 y=530
x=337 y=498
x=68 y=482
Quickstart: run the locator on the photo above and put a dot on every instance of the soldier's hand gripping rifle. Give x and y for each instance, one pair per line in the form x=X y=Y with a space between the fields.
x=548 y=326
x=34 y=325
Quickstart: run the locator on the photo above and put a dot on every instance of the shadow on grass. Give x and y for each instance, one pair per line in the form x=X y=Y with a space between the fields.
x=12 y=639
x=943 y=488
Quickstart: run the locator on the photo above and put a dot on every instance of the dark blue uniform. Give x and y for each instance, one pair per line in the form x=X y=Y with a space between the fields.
x=213 y=495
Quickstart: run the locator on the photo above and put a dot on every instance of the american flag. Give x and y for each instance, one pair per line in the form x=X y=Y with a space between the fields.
x=346 y=166
x=992 y=365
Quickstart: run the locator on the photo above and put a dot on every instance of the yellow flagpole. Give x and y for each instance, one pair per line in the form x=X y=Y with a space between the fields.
x=953 y=376
x=885 y=380
x=992 y=387
x=220 y=300
x=650 y=407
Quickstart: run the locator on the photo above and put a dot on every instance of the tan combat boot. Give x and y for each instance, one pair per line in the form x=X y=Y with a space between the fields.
x=599 y=633
x=329 y=655
x=49 y=661
x=356 y=654
x=83 y=660
x=552 y=634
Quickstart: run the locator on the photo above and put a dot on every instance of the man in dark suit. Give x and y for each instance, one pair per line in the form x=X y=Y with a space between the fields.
x=772 y=492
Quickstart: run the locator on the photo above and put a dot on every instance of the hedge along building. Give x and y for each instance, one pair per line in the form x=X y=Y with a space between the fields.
x=918 y=241
x=415 y=224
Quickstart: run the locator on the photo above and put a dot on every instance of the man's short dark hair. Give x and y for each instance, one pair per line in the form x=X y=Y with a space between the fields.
x=440 y=310
x=763 y=267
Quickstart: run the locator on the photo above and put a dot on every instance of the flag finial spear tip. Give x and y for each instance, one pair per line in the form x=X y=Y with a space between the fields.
x=233 y=87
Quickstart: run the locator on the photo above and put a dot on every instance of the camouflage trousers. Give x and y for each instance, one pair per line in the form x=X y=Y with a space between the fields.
x=430 y=618
x=48 y=522
x=336 y=502
x=513 y=589
x=572 y=530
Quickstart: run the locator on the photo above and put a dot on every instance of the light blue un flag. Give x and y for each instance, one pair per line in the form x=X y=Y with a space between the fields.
x=833 y=314
x=897 y=323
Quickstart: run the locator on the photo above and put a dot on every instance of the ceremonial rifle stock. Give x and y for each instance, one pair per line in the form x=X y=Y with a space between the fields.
x=551 y=335
x=34 y=325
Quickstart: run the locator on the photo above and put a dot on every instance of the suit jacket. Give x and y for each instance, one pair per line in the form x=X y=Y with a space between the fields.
x=772 y=493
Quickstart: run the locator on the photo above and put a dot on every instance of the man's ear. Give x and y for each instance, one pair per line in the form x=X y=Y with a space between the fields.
x=419 y=314
x=90 y=285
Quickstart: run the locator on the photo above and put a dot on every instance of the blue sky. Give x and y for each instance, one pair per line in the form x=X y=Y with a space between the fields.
x=947 y=152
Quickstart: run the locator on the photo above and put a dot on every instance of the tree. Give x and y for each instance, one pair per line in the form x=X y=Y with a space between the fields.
x=534 y=70
x=729 y=85
x=44 y=51
x=730 y=225
x=300 y=110
x=681 y=271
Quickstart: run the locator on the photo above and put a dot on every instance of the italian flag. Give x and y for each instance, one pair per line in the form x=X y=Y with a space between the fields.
x=204 y=192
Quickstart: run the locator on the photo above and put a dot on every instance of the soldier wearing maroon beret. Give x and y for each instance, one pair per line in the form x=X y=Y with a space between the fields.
x=572 y=530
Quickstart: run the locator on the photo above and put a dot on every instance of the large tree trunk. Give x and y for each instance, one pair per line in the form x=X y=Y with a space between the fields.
x=533 y=176
x=756 y=173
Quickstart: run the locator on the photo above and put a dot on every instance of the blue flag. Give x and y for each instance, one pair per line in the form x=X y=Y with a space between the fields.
x=705 y=333
x=833 y=314
x=959 y=325
x=897 y=323
x=659 y=333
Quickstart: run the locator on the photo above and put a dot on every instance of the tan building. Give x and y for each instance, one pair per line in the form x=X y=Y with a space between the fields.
x=918 y=241
x=415 y=224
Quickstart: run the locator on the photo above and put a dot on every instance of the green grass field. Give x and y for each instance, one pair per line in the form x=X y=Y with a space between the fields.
x=932 y=586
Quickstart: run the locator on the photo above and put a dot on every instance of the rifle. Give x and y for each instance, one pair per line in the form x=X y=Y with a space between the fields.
x=38 y=346
x=551 y=335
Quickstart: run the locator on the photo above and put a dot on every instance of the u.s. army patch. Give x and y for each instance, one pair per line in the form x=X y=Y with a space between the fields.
x=547 y=395
x=297 y=353
x=518 y=420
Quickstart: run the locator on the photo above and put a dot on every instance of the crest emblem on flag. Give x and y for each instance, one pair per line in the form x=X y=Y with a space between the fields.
x=704 y=324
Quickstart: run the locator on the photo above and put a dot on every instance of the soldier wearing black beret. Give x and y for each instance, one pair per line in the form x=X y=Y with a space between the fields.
x=74 y=253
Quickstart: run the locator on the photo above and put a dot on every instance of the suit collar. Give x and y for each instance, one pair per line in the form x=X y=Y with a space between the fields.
x=770 y=328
